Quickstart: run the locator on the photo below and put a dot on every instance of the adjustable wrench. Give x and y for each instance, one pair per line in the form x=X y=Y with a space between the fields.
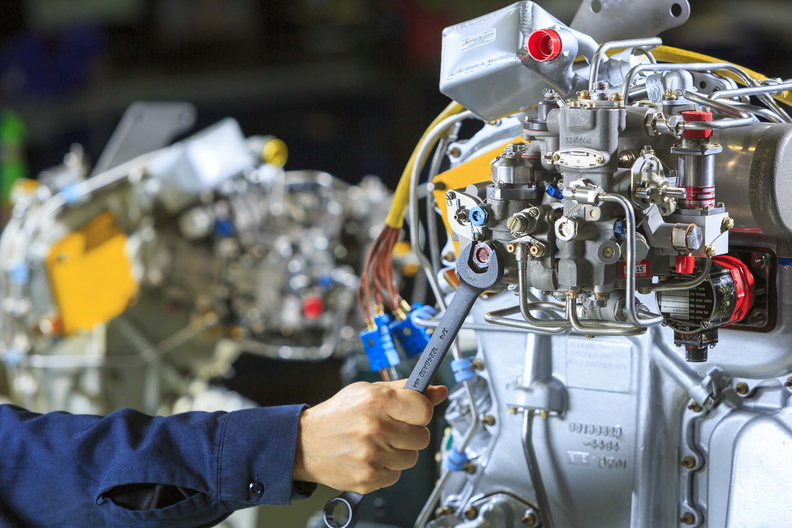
x=479 y=268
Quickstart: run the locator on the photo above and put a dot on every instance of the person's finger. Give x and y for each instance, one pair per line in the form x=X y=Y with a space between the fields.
x=437 y=394
x=408 y=406
x=400 y=435
x=400 y=459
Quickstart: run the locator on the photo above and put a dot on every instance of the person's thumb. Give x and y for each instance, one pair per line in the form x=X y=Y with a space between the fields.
x=437 y=394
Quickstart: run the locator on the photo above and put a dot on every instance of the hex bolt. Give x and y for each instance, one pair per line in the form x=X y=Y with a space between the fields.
x=689 y=462
x=788 y=383
x=741 y=388
x=695 y=407
x=469 y=468
x=454 y=152
x=471 y=512
x=688 y=519
x=488 y=420
x=584 y=94
x=709 y=250
x=529 y=519
x=481 y=255
x=477 y=364
x=616 y=96
x=727 y=224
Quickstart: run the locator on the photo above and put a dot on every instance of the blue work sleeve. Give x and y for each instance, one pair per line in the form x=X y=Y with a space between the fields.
x=59 y=469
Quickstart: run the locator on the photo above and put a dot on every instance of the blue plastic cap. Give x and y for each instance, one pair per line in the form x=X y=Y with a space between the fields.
x=20 y=273
x=456 y=460
x=555 y=192
x=479 y=216
x=224 y=228
x=71 y=193
x=463 y=369
x=13 y=357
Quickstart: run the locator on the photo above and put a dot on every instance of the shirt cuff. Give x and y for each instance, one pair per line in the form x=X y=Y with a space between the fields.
x=256 y=456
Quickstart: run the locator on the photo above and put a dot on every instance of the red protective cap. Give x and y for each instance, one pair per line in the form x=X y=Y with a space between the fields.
x=744 y=285
x=685 y=264
x=697 y=115
x=313 y=307
x=544 y=45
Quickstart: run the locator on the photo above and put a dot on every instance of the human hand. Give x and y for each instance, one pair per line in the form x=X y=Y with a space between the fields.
x=363 y=437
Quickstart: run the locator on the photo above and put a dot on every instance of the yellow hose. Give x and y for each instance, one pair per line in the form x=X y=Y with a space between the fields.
x=669 y=54
x=395 y=218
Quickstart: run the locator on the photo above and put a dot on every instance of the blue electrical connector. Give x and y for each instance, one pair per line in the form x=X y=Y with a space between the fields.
x=412 y=337
x=379 y=346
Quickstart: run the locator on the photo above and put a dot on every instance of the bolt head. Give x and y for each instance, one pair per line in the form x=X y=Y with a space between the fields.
x=695 y=407
x=741 y=389
x=688 y=518
x=471 y=513
x=529 y=519
x=689 y=462
x=788 y=383
x=727 y=224
x=481 y=256
x=516 y=223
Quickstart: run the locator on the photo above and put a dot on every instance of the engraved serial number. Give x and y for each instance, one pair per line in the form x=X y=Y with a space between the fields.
x=596 y=430
x=603 y=445
x=578 y=140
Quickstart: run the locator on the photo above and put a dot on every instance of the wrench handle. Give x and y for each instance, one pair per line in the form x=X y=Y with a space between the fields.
x=443 y=337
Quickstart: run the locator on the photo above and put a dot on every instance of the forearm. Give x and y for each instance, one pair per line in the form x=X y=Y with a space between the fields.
x=59 y=466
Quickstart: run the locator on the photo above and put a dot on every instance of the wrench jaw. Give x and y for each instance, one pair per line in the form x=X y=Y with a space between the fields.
x=350 y=501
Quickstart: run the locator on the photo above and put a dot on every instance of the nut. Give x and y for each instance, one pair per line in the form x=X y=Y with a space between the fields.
x=481 y=256
x=741 y=388
x=709 y=250
x=529 y=519
x=688 y=518
x=471 y=512
x=788 y=383
x=443 y=510
x=689 y=462
x=695 y=407
x=566 y=228
x=488 y=420
x=584 y=94
x=727 y=224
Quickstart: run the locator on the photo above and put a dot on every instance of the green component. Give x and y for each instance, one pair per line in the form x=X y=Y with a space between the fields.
x=12 y=153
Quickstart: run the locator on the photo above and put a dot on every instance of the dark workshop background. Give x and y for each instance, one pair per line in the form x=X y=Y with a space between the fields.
x=348 y=84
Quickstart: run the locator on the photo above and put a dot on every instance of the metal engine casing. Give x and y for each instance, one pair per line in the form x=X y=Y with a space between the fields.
x=645 y=439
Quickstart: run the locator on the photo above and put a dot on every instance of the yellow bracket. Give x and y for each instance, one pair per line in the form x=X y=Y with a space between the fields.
x=90 y=275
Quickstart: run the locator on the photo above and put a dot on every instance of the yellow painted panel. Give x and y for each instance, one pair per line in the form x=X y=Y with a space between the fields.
x=91 y=275
x=473 y=171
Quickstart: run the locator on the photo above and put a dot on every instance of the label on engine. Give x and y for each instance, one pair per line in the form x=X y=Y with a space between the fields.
x=479 y=39
x=641 y=269
x=601 y=364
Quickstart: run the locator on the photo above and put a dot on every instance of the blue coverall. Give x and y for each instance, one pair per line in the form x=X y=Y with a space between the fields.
x=62 y=470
